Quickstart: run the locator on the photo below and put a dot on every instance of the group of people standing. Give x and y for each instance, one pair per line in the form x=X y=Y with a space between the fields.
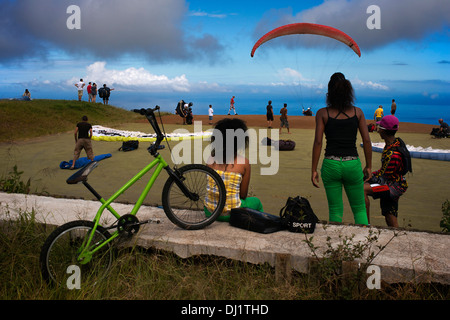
x=283 y=118
x=340 y=122
x=92 y=90
x=379 y=112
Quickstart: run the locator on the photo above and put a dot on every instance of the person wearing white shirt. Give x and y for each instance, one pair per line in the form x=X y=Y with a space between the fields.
x=80 y=85
x=210 y=113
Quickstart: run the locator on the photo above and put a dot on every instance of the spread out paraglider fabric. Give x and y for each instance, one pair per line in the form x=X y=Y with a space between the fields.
x=101 y=133
x=308 y=28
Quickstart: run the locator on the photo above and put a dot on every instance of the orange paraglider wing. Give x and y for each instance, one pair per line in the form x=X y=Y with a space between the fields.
x=308 y=28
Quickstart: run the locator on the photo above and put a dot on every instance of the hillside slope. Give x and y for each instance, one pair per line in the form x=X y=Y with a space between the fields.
x=28 y=119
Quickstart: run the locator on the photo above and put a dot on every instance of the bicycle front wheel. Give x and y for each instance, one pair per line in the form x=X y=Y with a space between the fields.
x=59 y=259
x=189 y=213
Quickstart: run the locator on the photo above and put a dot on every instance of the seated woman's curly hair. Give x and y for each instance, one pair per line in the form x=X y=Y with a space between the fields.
x=223 y=149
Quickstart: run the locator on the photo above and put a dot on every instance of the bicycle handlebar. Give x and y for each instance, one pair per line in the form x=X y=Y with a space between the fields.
x=149 y=113
x=146 y=112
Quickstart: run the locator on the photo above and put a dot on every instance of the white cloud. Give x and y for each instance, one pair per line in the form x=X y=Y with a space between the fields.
x=206 y=14
x=369 y=84
x=432 y=96
x=289 y=74
x=141 y=79
x=292 y=77
x=133 y=79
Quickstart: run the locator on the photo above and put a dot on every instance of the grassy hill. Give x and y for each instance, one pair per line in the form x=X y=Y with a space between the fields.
x=28 y=119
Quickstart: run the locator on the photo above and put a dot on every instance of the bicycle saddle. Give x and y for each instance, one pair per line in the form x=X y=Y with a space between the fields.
x=82 y=174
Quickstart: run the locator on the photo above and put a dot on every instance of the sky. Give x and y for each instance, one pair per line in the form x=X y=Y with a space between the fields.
x=169 y=50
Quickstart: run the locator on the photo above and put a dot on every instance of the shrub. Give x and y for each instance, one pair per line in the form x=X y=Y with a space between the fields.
x=445 y=222
x=13 y=184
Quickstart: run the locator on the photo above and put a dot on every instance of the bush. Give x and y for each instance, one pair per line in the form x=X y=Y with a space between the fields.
x=13 y=184
x=445 y=222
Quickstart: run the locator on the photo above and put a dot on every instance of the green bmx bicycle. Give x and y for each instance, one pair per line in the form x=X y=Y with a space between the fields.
x=85 y=248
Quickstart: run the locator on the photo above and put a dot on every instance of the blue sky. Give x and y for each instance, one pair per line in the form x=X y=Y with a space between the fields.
x=199 y=48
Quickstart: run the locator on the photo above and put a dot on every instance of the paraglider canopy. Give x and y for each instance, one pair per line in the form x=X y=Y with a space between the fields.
x=308 y=28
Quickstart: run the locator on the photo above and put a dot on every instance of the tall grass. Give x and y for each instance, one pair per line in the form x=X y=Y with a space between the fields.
x=141 y=274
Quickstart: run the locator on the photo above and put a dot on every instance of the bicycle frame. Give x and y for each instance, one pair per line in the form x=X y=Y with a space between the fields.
x=160 y=164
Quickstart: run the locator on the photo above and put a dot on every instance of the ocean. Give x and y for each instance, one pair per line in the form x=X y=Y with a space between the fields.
x=255 y=103
x=250 y=104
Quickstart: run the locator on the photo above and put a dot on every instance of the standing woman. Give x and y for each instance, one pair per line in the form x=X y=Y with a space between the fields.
x=94 y=92
x=340 y=122
x=269 y=114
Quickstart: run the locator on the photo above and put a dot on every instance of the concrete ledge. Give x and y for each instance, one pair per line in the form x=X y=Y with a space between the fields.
x=410 y=256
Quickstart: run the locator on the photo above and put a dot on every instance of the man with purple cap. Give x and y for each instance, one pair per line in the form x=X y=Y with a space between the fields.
x=389 y=183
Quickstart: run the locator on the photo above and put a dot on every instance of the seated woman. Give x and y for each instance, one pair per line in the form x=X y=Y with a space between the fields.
x=234 y=168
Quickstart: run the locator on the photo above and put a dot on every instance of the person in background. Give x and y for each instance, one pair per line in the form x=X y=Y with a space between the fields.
x=83 y=135
x=210 y=114
x=269 y=114
x=393 y=107
x=235 y=169
x=340 y=122
x=88 y=89
x=284 y=118
x=379 y=113
x=443 y=129
x=94 y=92
x=232 y=106
x=391 y=174
x=26 y=95
x=80 y=85
x=105 y=94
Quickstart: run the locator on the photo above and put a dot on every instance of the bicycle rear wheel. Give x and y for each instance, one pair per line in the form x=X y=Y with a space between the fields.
x=185 y=212
x=59 y=255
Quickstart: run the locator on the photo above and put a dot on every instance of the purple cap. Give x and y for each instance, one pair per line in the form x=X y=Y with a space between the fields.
x=388 y=123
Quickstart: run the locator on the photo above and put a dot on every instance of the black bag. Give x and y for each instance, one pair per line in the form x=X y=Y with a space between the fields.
x=281 y=145
x=298 y=216
x=286 y=145
x=101 y=92
x=129 y=145
x=254 y=220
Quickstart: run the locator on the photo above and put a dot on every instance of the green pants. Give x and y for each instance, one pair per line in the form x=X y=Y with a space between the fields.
x=249 y=202
x=349 y=174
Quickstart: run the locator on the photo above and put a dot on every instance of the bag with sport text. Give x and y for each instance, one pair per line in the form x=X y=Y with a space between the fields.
x=298 y=216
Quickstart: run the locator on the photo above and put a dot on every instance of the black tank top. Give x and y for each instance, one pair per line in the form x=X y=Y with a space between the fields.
x=341 y=136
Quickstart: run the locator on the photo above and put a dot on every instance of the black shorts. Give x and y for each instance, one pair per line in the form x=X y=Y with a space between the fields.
x=269 y=116
x=388 y=206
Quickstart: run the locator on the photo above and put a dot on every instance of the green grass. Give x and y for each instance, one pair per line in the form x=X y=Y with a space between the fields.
x=29 y=119
x=140 y=274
